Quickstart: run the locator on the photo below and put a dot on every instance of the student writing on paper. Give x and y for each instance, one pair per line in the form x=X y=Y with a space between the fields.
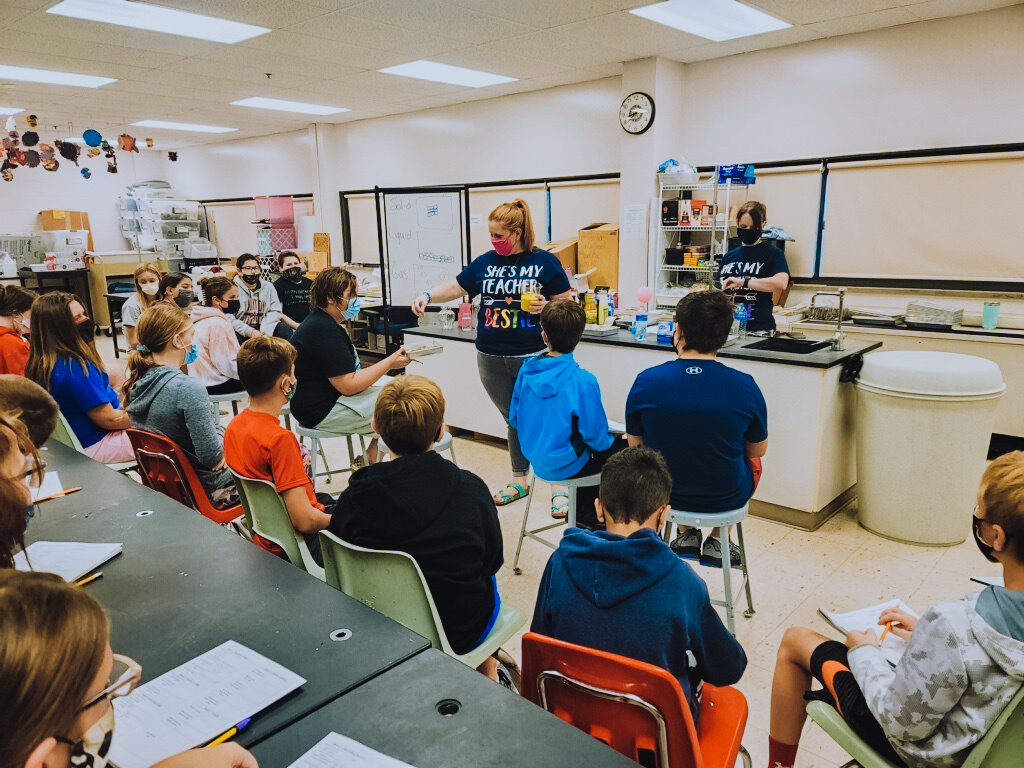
x=20 y=466
x=58 y=675
x=963 y=664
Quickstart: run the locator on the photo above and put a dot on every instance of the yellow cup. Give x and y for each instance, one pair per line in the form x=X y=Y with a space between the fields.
x=527 y=299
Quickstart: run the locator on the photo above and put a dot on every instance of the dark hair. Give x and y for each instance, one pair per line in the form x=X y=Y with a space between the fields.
x=331 y=285
x=37 y=409
x=15 y=300
x=214 y=287
x=635 y=483
x=758 y=213
x=704 y=319
x=563 y=321
x=409 y=413
x=245 y=257
x=262 y=361
x=286 y=254
x=171 y=280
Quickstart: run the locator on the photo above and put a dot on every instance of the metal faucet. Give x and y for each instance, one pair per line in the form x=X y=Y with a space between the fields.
x=839 y=337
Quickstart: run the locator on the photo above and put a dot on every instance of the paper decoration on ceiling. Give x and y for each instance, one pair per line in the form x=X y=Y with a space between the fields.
x=92 y=138
x=51 y=164
x=94 y=151
x=30 y=138
x=46 y=151
x=32 y=159
x=22 y=158
x=172 y=156
x=149 y=143
x=12 y=126
x=68 y=150
x=86 y=173
x=6 y=173
x=126 y=143
x=111 y=163
x=10 y=143
x=32 y=121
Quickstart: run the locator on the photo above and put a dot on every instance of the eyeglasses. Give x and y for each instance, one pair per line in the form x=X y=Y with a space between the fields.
x=250 y=270
x=124 y=676
x=34 y=469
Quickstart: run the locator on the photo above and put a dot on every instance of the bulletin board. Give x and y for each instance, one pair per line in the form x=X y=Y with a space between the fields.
x=936 y=218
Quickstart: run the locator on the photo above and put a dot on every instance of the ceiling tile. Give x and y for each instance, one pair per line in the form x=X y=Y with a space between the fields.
x=440 y=18
x=935 y=9
x=487 y=58
x=254 y=76
x=626 y=32
x=161 y=89
x=66 y=64
x=803 y=12
x=608 y=69
x=559 y=49
x=230 y=88
x=542 y=14
x=88 y=50
x=379 y=82
x=864 y=22
x=263 y=13
x=293 y=44
x=312 y=68
x=347 y=29
x=775 y=39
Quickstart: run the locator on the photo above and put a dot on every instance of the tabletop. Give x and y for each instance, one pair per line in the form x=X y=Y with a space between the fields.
x=434 y=712
x=184 y=585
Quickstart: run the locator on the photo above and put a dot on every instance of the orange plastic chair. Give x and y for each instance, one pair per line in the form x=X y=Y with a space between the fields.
x=164 y=467
x=632 y=706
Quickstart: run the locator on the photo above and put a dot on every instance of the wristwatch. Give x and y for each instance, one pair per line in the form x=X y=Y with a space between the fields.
x=746 y=282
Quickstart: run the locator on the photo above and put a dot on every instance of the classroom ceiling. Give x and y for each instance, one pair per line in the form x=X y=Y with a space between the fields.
x=327 y=52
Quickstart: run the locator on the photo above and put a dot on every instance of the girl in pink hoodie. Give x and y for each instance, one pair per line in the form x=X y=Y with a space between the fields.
x=217 y=365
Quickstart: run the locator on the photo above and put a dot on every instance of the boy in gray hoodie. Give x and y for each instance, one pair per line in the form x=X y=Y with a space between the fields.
x=963 y=664
x=260 y=306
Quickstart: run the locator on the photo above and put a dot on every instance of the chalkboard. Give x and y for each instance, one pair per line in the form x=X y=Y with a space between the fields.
x=424 y=241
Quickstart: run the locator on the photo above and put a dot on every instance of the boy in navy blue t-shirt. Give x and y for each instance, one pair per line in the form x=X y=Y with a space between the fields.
x=709 y=421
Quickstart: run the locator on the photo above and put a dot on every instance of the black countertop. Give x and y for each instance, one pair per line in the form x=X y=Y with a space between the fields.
x=738 y=349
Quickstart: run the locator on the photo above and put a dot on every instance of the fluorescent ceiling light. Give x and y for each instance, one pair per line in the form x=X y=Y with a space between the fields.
x=288 y=106
x=445 y=73
x=10 y=110
x=158 y=19
x=29 y=75
x=714 y=19
x=183 y=126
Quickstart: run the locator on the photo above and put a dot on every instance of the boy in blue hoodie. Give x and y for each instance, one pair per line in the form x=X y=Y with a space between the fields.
x=556 y=408
x=624 y=591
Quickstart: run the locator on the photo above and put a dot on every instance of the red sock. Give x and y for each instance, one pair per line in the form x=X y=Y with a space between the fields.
x=780 y=754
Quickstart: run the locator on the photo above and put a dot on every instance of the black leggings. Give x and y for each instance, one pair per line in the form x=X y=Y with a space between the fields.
x=229 y=387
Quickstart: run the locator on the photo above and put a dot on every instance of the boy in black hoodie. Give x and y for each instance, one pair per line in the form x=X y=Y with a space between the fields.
x=422 y=504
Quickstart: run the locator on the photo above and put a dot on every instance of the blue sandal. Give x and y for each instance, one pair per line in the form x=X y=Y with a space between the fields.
x=503 y=497
x=560 y=510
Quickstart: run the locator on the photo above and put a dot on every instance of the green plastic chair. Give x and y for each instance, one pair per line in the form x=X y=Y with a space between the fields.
x=266 y=514
x=62 y=433
x=392 y=583
x=1001 y=747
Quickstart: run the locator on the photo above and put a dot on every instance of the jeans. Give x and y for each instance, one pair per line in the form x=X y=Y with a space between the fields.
x=284 y=331
x=498 y=375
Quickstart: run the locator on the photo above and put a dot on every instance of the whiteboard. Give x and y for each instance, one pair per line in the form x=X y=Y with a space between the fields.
x=423 y=234
x=574 y=205
x=231 y=228
x=791 y=197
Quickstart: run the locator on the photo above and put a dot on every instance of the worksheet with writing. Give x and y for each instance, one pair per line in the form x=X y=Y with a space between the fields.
x=864 y=619
x=68 y=559
x=337 y=751
x=196 y=702
x=50 y=486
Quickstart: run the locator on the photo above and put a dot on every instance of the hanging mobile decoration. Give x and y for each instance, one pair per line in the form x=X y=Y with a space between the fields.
x=46 y=152
x=94 y=152
x=172 y=156
x=32 y=121
x=126 y=143
x=86 y=173
x=92 y=138
x=51 y=164
x=111 y=163
x=68 y=150
x=32 y=158
x=30 y=138
x=149 y=143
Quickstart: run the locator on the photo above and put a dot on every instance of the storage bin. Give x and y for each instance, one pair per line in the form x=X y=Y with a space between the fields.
x=173 y=230
x=171 y=249
x=200 y=248
x=279 y=211
x=172 y=210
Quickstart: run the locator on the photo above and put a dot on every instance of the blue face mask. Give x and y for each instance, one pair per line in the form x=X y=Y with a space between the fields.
x=192 y=352
x=30 y=512
x=354 y=305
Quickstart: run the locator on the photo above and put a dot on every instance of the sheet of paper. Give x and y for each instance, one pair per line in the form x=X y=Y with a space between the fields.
x=50 y=485
x=337 y=751
x=196 y=702
x=634 y=226
x=864 y=619
x=616 y=427
x=68 y=559
x=994 y=581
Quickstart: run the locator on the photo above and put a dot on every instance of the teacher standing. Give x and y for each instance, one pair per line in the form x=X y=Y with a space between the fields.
x=506 y=335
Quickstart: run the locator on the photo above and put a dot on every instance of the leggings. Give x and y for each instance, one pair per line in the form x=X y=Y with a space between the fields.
x=498 y=375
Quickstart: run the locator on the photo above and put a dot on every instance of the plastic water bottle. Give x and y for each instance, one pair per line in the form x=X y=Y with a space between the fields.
x=9 y=266
x=640 y=327
x=739 y=321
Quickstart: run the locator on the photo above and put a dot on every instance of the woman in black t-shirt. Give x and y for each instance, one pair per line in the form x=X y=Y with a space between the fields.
x=755 y=270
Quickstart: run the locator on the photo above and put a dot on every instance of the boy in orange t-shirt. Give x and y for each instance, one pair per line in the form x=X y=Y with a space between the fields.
x=257 y=446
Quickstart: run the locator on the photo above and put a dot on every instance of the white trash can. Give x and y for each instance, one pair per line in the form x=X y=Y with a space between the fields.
x=924 y=422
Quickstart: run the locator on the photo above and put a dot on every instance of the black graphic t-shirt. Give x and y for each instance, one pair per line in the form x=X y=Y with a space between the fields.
x=761 y=260
x=503 y=328
x=294 y=296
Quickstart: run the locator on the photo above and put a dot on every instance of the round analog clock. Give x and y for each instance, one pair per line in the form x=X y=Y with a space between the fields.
x=636 y=114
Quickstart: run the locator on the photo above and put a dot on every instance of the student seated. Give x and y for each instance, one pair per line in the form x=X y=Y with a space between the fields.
x=708 y=420
x=335 y=393
x=15 y=322
x=160 y=398
x=424 y=505
x=257 y=446
x=147 y=293
x=36 y=409
x=176 y=291
x=293 y=291
x=556 y=409
x=963 y=664
x=56 y=672
x=216 y=367
x=63 y=360
x=21 y=470
x=623 y=591
x=259 y=312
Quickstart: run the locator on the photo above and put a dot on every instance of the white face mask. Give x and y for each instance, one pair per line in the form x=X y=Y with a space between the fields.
x=25 y=323
x=94 y=749
x=150 y=289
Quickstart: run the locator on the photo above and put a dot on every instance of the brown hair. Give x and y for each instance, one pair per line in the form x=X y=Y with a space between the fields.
x=635 y=483
x=156 y=329
x=37 y=409
x=144 y=298
x=52 y=647
x=1002 y=493
x=214 y=287
x=13 y=493
x=54 y=336
x=262 y=361
x=758 y=213
x=704 y=318
x=409 y=413
x=515 y=217
x=331 y=284
x=15 y=300
x=563 y=322
x=171 y=280
x=286 y=254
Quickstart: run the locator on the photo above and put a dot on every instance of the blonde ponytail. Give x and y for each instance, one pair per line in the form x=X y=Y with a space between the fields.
x=157 y=327
x=515 y=217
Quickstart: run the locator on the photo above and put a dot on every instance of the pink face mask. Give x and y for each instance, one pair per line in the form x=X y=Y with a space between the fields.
x=502 y=246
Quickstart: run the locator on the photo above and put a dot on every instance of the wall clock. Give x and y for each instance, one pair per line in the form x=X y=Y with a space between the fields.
x=636 y=114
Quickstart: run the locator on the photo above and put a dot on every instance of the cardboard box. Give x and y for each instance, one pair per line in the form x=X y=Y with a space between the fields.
x=318 y=261
x=599 y=248
x=565 y=251
x=322 y=243
x=54 y=219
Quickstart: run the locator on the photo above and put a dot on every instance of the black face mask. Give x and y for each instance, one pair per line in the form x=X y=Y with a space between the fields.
x=294 y=274
x=87 y=329
x=184 y=299
x=986 y=549
x=233 y=306
x=251 y=280
x=749 y=236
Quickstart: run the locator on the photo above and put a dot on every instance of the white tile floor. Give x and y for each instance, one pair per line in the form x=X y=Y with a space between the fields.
x=839 y=566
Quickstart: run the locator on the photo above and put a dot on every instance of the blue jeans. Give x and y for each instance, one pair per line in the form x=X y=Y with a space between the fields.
x=498 y=375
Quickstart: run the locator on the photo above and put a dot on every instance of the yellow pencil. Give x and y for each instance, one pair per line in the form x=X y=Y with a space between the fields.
x=888 y=626
x=88 y=579
x=57 y=495
x=223 y=737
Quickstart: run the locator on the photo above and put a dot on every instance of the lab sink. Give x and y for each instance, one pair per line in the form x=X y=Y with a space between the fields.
x=793 y=346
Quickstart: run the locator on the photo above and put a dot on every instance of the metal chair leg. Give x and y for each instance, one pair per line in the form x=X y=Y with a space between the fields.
x=723 y=533
x=522 y=534
x=746 y=573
